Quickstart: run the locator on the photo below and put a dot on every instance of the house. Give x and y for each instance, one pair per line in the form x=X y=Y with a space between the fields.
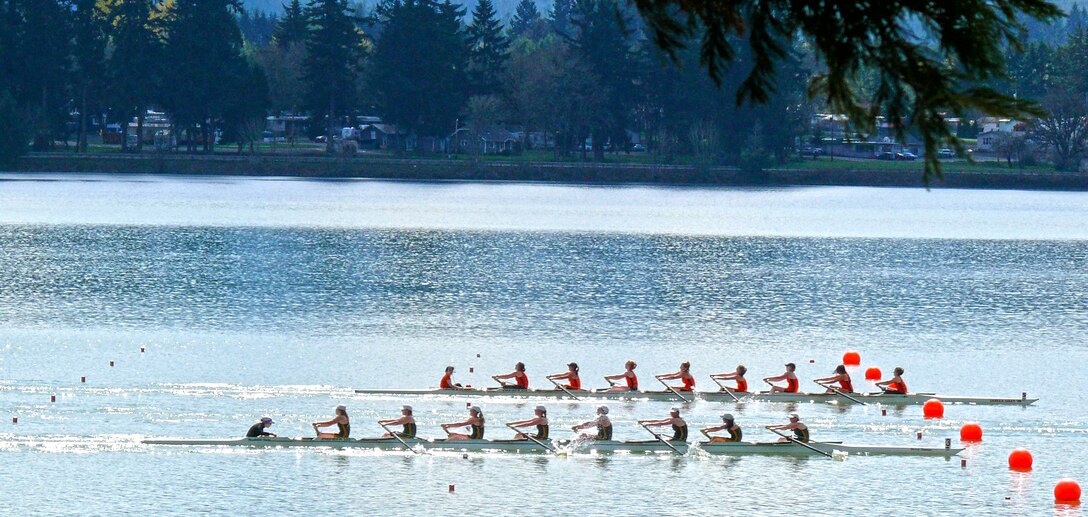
x=992 y=129
x=485 y=140
x=287 y=126
x=378 y=136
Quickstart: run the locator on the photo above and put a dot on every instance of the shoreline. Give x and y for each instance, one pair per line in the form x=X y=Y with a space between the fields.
x=536 y=172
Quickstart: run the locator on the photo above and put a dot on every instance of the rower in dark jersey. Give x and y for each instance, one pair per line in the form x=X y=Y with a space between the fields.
x=729 y=426
x=406 y=420
x=602 y=423
x=475 y=423
x=540 y=421
x=679 y=426
x=342 y=423
x=841 y=377
x=790 y=377
x=800 y=430
x=258 y=430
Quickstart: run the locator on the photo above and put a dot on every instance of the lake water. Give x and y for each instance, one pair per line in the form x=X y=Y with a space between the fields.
x=278 y=297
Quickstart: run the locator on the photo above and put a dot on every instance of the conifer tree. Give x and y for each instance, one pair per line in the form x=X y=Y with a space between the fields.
x=134 y=63
x=332 y=56
x=559 y=16
x=488 y=48
x=293 y=26
x=526 y=16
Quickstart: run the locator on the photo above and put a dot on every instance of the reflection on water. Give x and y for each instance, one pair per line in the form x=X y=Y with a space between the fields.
x=255 y=298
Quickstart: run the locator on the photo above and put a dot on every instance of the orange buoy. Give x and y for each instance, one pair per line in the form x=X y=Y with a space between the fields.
x=933 y=408
x=143 y=349
x=851 y=358
x=1067 y=491
x=971 y=432
x=53 y=398
x=451 y=488
x=811 y=361
x=15 y=420
x=83 y=379
x=111 y=364
x=872 y=374
x=1020 y=459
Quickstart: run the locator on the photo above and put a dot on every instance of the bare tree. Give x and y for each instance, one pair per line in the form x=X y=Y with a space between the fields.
x=1064 y=132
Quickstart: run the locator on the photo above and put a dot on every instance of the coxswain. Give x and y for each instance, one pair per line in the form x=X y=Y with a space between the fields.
x=631 y=380
x=602 y=423
x=729 y=426
x=841 y=377
x=571 y=376
x=895 y=385
x=341 y=421
x=737 y=375
x=789 y=377
x=258 y=430
x=521 y=381
x=540 y=421
x=679 y=426
x=800 y=430
x=684 y=374
x=447 y=381
x=475 y=423
x=406 y=420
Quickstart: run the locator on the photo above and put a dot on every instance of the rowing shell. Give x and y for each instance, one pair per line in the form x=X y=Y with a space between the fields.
x=715 y=396
x=651 y=446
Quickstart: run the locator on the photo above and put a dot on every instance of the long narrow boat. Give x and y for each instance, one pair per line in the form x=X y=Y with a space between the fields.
x=650 y=446
x=715 y=396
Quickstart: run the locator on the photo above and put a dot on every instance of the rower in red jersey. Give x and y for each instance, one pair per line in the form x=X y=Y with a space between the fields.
x=571 y=376
x=521 y=381
x=684 y=374
x=631 y=380
x=895 y=385
x=790 y=377
x=447 y=381
x=738 y=376
x=841 y=377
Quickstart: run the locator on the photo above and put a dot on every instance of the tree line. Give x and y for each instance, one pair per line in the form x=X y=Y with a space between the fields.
x=585 y=71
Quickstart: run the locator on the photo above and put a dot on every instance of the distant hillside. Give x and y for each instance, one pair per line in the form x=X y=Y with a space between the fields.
x=504 y=7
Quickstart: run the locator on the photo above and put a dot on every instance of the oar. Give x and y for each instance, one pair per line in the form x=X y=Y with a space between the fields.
x=795 y=440
x=735 y=399
x=660 y=439
x=837 y=392
x=496 y=377
x=673 y=390
x=399 y=439
x=560 y=386
x=534 y=440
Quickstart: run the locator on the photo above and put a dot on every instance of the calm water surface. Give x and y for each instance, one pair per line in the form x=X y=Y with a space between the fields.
x=277 y=297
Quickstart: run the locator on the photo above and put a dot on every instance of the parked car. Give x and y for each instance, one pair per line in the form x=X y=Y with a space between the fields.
x=906 y=156
x=946 y=153
x=638 y=148
x=886 y=155
x=813 y=151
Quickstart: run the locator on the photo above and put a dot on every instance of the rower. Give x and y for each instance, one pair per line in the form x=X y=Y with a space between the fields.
x=895 y=385
x=571 y=376
x=258 y=430
x=841 y=377
x=737 y=375
x=342 y=423
x=789 y=377
x=628 y=376
x=521 y=381
x=447 y=381
x=603 y=424
x=679 y=426
x=684 y=374
x=475 y=423
x=540 y=421
x=406 y=419
x=729 y=426
x=800 y=430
